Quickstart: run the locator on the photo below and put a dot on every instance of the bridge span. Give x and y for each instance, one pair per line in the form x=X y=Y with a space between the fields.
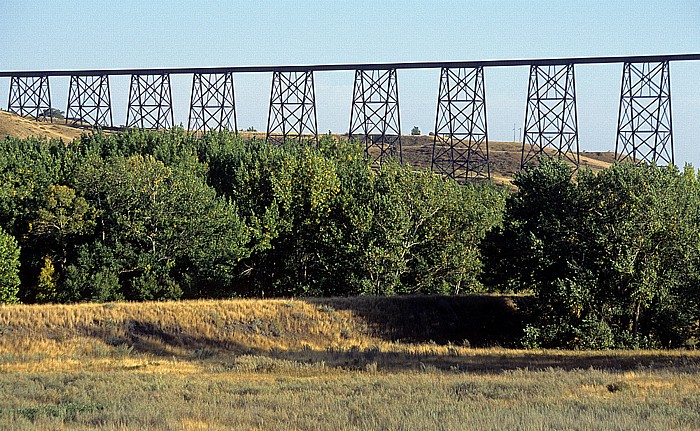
x=460 y=143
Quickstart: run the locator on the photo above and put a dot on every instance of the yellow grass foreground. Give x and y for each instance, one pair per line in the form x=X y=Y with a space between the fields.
x=333 y=364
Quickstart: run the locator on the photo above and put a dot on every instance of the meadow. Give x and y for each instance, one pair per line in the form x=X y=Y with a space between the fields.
x=400 y=363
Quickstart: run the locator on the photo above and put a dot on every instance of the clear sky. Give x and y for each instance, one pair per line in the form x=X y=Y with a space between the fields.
x=75 y=34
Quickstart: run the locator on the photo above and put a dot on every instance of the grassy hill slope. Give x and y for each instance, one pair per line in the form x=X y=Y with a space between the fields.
x=21 y=127
x=243 y=326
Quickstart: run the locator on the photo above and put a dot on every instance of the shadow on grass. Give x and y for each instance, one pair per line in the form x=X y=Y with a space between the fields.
x=473 y=320
x=149 y=338
x=493 y=362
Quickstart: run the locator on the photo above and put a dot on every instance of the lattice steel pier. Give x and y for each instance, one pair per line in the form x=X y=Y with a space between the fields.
x=30 y=96
x=460 y=144
x=89 y=101
x=150 y=102
x=551 y=124
x=292 y=114
x=644 y=131
x=212 y=103
x=374 y=118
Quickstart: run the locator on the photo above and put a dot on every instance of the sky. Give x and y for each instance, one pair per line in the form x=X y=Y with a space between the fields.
x=73 y=35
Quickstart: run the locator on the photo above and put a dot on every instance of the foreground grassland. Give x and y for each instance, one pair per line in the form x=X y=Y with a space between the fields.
x=357 y=364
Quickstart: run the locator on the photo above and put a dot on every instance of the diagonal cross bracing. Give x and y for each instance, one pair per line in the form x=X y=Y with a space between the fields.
x=460 y=143
x=644 y=131
x=30 y=96
x=150 y=102
x=374 y=117
x=292 y=114
x=213 y=105
x=551 y=124
x=89 y=100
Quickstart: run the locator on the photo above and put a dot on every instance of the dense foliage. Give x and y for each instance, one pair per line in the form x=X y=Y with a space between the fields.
x=160 y=215
x=613 y=258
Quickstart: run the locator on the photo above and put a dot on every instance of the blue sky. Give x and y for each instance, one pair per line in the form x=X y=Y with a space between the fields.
x=132 y=34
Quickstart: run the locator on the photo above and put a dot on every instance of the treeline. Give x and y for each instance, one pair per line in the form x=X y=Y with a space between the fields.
x=148 y=215
x=612 y=259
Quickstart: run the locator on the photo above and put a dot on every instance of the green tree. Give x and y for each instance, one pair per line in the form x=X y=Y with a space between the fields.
x=163 y=226
x=9 y=268
x=611 y=257
x=63 y=216
x=415 y=130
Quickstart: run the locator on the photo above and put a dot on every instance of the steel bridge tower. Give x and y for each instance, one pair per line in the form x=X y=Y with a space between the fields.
x=551 y=124
x=292 y=114
x=89 y=100
x=460 y=143
x=213 y=103
x=644 y=131
x=150 y=102
x=374 y=117
x=30 y=96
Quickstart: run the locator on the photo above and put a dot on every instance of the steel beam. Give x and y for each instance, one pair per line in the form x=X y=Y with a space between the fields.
x=644 y=131
x=551 y=124
x=374 y=118
x=89 y=101
x=213 y=103
x=292 y=114
x=150 y=102
x=366 y=66
x=460 y=143
x=30 y=96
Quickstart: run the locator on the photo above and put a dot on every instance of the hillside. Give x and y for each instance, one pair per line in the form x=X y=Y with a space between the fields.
x=393 y=332
x=244 y=326
x=417 y=150
x=21 y=127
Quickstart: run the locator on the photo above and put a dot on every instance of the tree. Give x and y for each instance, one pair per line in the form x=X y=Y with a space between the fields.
x=415 y=130
x=9 y=268
x=612 y=258
x=53 y=113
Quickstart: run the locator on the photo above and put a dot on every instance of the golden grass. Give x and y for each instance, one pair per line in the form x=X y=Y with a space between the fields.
x=21 y=127
x=320 y=364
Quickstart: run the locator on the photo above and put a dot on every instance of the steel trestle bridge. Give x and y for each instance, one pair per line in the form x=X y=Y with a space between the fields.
x=460 y=142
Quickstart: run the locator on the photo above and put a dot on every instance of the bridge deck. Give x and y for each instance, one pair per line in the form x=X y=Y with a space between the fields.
x=362 y=66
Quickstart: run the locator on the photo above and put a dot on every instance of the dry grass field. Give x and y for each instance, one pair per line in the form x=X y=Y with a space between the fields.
x=403 y=363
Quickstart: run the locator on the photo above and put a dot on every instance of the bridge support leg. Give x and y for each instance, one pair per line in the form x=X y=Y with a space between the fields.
x=460 y=143
x=644 y=132
x=551 y=124
x=292 y=113
x=30 y=96
x=150 y=102
x=213 y=104
x=89 y=101
x=374 y=117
